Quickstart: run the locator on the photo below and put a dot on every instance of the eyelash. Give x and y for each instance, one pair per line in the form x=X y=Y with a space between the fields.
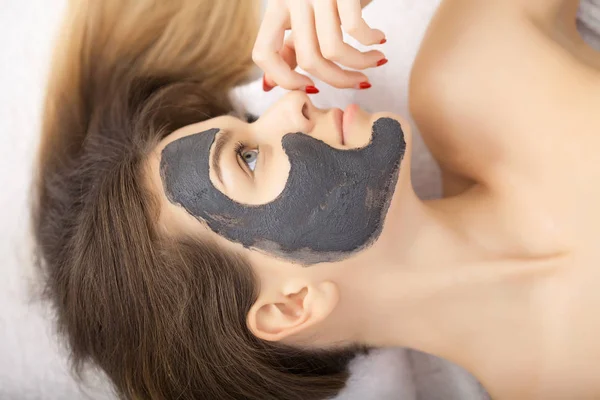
x=239 y=150
x=239 y=146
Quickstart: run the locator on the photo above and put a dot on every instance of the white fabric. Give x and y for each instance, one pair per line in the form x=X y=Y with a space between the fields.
x=32 y=364
x=589 y=22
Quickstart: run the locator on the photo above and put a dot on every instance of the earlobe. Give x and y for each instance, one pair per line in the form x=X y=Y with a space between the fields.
x=291 y=310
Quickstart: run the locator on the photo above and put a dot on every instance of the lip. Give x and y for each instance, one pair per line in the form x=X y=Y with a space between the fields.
x=347 y=118
x=338 y=116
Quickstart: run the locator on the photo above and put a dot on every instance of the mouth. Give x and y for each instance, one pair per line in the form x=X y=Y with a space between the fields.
x=343 y=121
x=348 y=117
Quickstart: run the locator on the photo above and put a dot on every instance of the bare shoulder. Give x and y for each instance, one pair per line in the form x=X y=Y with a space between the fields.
x=491 y=80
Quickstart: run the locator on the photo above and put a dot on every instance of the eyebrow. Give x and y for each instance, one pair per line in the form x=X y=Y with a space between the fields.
x=220 y=142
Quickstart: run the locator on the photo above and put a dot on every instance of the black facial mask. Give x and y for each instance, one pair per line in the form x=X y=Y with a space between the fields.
x=334 y=202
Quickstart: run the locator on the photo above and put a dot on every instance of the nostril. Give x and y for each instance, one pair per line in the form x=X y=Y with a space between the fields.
x=305 y=111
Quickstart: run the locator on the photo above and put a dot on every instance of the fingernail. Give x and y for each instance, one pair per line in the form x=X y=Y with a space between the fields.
x=383 y=41
x=381 y=62
x=364 y=85
x=266 y=86
x=311 y=90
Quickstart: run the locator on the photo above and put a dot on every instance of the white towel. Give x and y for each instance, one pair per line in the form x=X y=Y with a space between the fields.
x=589 y=22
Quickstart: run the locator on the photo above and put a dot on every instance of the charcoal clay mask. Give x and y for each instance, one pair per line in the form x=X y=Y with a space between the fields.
x=334 y=202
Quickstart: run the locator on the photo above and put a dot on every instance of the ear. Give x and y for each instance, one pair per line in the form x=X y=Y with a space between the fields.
x=279 y=313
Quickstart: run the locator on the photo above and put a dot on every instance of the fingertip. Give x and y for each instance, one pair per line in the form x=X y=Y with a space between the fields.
x=311 y=89
x=308 y=82
x=300 y=81
x=300 y=84
x=381 y=37
x=382 y=62
x=375 y=55
x=358 y=81
x=268 y=85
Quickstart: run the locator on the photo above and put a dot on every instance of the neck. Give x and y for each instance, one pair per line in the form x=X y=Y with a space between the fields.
x=435 y=292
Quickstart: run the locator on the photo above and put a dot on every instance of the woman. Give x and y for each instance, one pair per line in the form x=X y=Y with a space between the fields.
x=199 y=257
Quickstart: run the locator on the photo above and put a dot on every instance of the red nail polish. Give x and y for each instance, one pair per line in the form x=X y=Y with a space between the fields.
x=311 y=90
x=381 y=62
x=266 y=86
x=364 y=85
x=383 y=41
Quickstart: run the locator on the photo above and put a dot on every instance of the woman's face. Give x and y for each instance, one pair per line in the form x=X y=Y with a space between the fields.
x=300 y=185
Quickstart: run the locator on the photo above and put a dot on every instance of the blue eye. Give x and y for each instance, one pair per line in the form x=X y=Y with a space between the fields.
x=250 y=157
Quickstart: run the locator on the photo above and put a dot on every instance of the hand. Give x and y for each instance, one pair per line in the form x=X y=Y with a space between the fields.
x=316 y=44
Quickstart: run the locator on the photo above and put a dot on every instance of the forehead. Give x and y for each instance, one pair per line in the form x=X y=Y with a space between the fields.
x=224 y=122
x=173 y=219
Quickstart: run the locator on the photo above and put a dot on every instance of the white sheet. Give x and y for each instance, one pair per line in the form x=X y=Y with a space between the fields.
x=31 y=364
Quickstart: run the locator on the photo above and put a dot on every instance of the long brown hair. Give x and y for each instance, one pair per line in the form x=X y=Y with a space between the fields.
x=164 y=318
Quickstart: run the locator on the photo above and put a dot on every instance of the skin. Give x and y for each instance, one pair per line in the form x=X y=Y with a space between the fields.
x=525 y=160
x=506 y=95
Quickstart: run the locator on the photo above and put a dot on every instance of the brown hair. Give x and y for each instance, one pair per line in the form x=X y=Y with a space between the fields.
x=164 y=318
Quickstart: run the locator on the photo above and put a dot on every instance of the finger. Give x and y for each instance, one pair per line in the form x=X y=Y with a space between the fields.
x=288 y=54
x=269 y=42
x=350 y=12
x=308 y=52
x=331 y=39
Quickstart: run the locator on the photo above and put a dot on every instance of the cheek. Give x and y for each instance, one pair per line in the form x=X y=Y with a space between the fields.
x=268 y=269
x=271 y=175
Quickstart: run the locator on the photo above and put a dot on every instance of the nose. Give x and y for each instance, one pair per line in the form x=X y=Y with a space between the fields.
x=293 y=113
